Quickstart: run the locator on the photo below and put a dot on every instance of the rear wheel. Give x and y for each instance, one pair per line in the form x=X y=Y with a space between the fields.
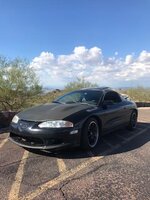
x=133 y=121
x=90 y=134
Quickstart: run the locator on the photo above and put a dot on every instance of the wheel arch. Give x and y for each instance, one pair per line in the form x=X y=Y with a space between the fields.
x=83 y=141
x=97 y=119
x=134 y=109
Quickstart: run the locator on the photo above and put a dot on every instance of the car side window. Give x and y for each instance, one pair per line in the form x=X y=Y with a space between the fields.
x=112 y=97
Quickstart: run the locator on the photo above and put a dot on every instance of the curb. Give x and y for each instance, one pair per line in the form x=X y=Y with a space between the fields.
x=143 y=104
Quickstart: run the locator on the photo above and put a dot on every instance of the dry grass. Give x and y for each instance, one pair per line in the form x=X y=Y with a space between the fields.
x=138 y=94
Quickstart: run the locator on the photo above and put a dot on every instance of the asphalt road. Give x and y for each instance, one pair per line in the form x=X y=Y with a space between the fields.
x=118 y=169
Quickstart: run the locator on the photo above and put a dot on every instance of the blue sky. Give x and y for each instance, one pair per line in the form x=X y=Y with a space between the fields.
x=30 y=27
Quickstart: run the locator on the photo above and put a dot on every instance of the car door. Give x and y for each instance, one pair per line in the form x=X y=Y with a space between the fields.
x=113 y=111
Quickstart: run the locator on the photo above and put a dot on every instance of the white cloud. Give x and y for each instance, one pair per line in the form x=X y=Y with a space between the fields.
x=144 y=57
x=56 y=71
x=128 y=59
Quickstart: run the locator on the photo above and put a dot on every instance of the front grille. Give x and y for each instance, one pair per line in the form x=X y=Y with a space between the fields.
x=30 y=141
x=25 y=124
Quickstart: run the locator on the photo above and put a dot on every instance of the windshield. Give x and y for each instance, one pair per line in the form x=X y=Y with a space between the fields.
x=89 y=97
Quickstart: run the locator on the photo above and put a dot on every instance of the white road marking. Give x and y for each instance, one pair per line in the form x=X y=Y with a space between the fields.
x=124 y=138
x=108 y=143
x=61 y=165
x=14 y=192
x=135 y=135
x=143 y=108
x=3 y=142
x=59 y=179
x=143 y=121
x=143 y=126
x=121 y=137
x=62 y=177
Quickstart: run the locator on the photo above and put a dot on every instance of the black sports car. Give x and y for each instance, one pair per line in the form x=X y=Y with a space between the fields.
x=77 y=118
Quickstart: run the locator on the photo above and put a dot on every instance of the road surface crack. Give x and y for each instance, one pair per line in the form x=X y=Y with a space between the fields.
x=18 y=161
x=61 y=189
x=77 y=178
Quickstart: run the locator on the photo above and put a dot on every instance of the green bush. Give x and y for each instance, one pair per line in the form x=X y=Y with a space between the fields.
x=18 y=83
x=78 y=84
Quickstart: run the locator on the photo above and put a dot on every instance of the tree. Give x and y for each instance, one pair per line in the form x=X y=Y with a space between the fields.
x=78 y=84
x=18 y=82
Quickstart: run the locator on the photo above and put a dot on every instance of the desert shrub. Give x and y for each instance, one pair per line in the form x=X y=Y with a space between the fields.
x=18 y=83
x=78 y=84
x=138 y=94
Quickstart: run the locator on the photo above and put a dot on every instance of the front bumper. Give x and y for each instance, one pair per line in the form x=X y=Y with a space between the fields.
x=31 y=136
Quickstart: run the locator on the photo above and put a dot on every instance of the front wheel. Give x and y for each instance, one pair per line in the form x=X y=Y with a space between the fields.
x=90 y=134
x=133 y=121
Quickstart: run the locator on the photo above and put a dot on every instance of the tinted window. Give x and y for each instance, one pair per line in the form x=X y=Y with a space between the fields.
x=112 y=96
x=89 y=96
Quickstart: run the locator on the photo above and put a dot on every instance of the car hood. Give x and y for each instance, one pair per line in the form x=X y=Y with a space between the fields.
x=53 y=111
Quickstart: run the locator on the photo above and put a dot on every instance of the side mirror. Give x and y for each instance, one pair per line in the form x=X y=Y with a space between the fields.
x=107 y=103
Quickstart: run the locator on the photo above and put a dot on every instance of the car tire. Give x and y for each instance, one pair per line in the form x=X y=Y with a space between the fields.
x=90 y=134
x=133 y=121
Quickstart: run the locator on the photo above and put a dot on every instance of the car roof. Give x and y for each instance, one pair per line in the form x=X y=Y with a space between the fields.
x=98 y=89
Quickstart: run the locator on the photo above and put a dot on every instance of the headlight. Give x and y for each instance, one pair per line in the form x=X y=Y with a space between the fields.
x=15 y=119
x=56 y=124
